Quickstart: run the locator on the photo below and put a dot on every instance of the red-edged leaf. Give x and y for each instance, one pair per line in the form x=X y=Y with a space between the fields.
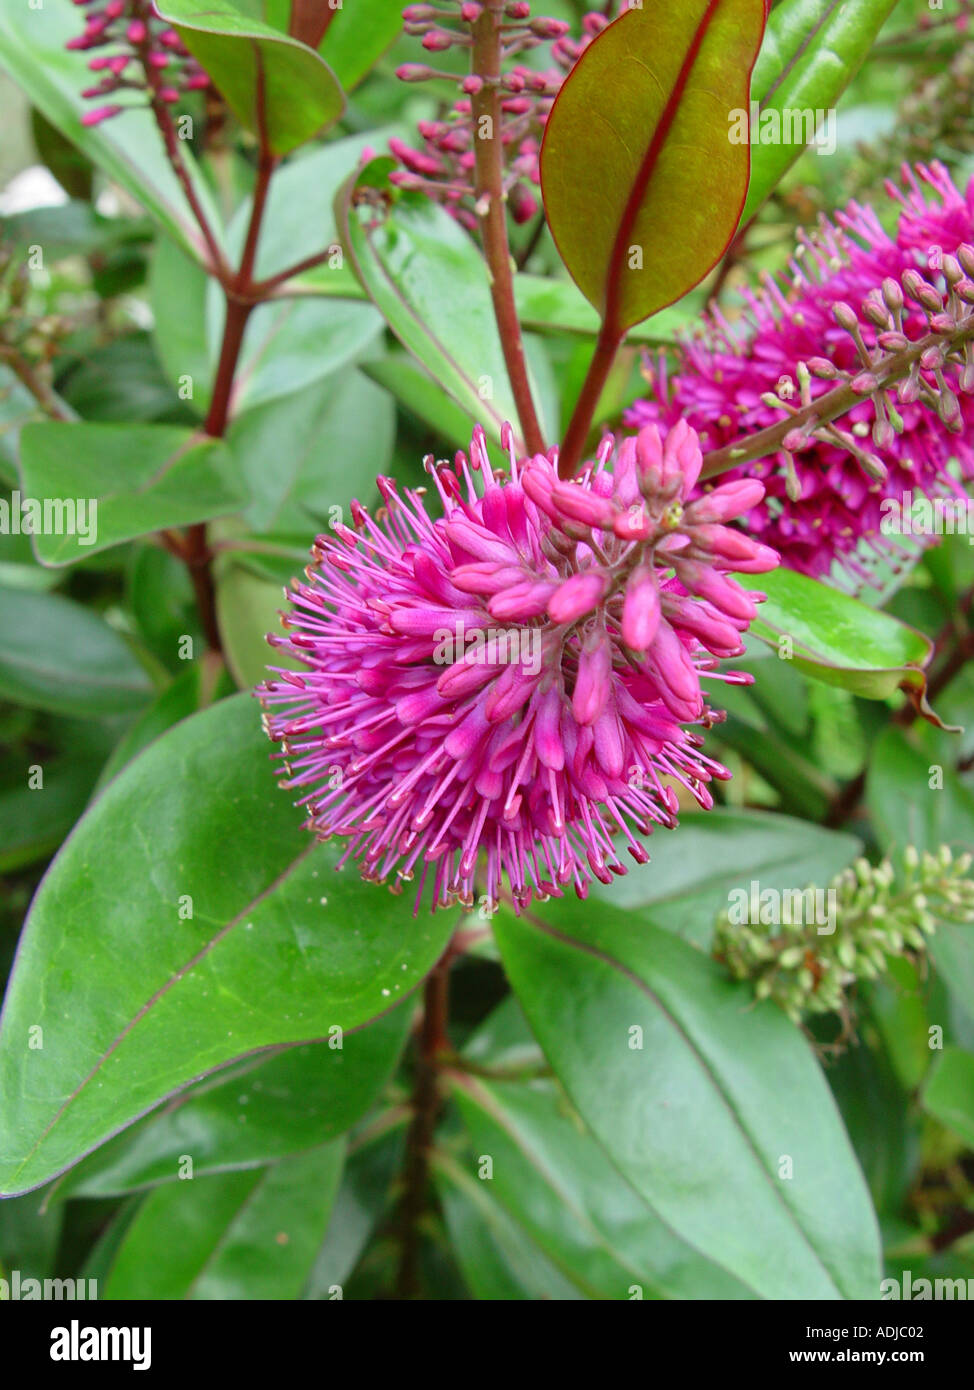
x=642 y=185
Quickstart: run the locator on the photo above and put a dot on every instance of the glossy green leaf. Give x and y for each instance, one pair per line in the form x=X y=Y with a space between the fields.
x=201 y=685
x=248 y=607
x=879 y=1117
x=34 y=821
x=373 y=1166
x=304 y=456
x=812 y=49
x=949 y=1093
x=704 y=1116
x=128 y=148
x=29 y=1236
x=915 y=800
x=121 y=382
x=250 y=1235
x=544 y=305
x=357 y=37
x=135 y=997
x=279 y=89
x=17 y=409
x=57 y=655
x=642 y=187
x=693 y=869
x=421 y=397
x=178 y=297
x=249 y=1114
x=498 y=1260
x=428 y=280
x=558 y=1185
x=129 y=480
x=839 y=640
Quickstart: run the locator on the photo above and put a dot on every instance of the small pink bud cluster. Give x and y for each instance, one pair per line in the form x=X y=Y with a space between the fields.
x=147 y=56
x=443 y=167
x=860 y=302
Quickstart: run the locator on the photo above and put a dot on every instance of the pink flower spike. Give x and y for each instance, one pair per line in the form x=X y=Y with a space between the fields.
x=469 y=677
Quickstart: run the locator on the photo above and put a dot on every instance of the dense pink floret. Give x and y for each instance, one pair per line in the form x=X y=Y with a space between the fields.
x=500 y=692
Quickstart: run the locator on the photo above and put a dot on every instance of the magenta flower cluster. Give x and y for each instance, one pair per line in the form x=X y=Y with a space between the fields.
x=443 y=166
x=502 y=691
x=821 y=506
x=146 y=55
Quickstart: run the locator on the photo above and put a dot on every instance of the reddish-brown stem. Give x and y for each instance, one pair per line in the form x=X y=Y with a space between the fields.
x=266 y=165
x=30 y=377
x=310 y=20
x=240 y=303
x=197 y=558
x=825 y=408
x=262 y=288
x=573 y=446
x=491 y=208
x=432 y=1045
x=163 y=119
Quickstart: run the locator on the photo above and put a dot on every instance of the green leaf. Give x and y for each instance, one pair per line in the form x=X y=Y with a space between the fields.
x=248 y=607
x=544 y=305
x=914 y=799
x=279 y=89
x=128 y=148
x=637 y=145
x=305 y=455
x=249 y=1114
x=17 y=408
x=250 y=1235
x=949 y=1093
x=421 y=397
x=121 y=382
x=178 y=297
x=205 y=682
x=428 y=279
x=557 y=1184
x=693 y=869
x=29 y=1236
x=291 y=344
x=812 y=49
x=498 y=1260
x=358 y=36
x=370 y=1176
x=879 y=1117
x=57 y=655
x=136 y=998
x=33 y=822
x=122 y=481
x=703 y=1118
x=839 y=640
